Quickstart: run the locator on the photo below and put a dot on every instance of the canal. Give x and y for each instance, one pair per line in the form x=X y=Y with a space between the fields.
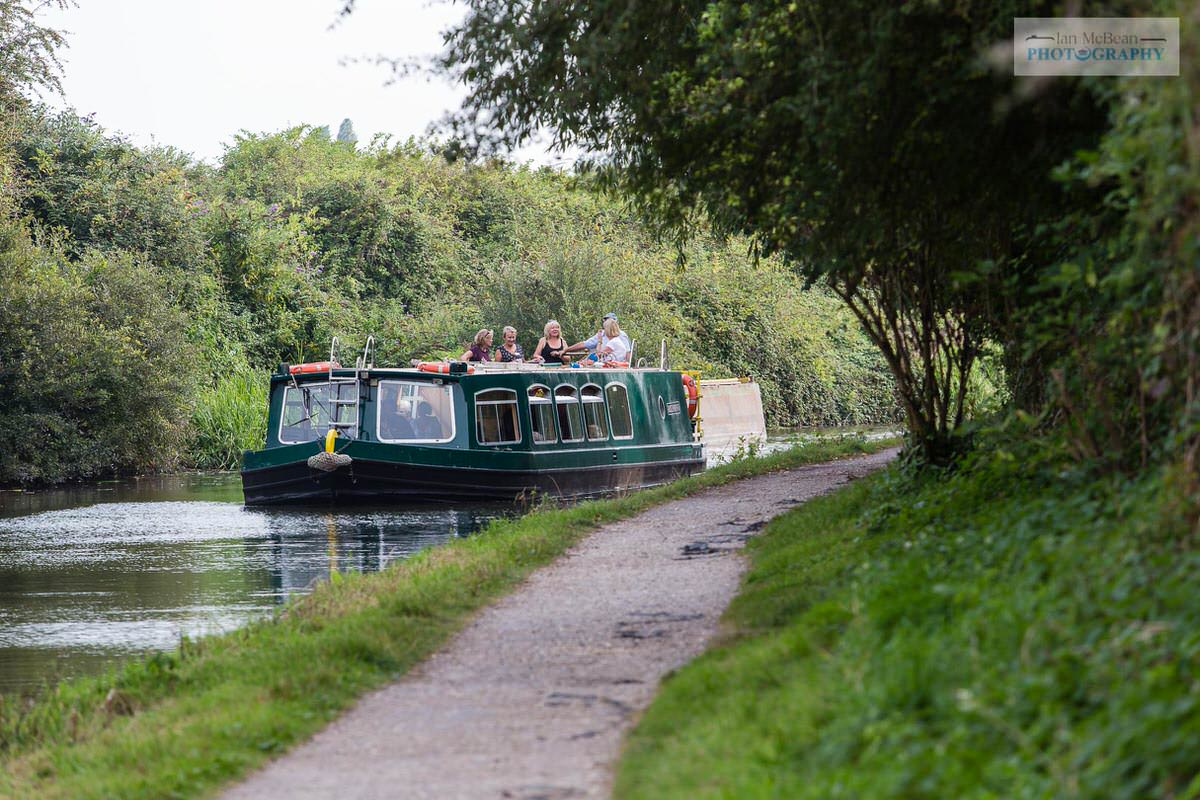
x=95 y=574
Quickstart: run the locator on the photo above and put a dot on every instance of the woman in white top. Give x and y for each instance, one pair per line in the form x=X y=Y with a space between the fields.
x=614 y=344
x=609 y=343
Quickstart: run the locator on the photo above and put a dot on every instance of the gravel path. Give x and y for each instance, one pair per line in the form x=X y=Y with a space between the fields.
x=531 y=699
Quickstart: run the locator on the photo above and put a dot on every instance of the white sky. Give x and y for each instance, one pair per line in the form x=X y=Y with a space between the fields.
x=193 y=74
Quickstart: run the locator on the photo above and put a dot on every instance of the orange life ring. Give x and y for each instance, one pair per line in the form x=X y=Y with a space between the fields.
x=313 y=366
x=440 y=367
x=693 y=394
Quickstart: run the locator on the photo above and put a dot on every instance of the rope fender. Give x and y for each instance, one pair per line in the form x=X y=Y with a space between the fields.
x=328 y=462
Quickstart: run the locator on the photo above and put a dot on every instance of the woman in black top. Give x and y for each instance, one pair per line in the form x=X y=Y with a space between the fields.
x=551 y=346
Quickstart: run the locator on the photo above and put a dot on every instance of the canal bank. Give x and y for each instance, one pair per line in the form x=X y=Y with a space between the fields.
x=227 y=703
x=533 y=697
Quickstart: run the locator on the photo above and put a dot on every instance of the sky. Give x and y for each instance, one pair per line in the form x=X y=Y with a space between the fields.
x=193 y=74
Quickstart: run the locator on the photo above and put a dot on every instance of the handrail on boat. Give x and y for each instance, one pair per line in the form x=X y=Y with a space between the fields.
x=367 y=359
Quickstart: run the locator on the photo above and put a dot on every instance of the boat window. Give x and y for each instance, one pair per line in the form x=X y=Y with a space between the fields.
x=570 y=424
x=618 y=411
x=308 y=408
x=541 y=414
x=594 y=420
x=414 y=411
x=496 y=417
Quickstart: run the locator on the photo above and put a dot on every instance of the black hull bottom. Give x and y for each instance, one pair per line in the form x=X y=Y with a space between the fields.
x=367 y=481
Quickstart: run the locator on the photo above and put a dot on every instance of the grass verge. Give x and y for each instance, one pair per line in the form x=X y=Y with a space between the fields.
x=182 y=724
x=1013 y=629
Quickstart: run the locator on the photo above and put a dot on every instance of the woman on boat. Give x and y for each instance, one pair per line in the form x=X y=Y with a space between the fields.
x=616 y=343
x=609 y=344
x=550 y=347
x=480 y=349
x=509 y=350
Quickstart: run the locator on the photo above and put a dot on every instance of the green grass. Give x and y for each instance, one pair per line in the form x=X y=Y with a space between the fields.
x=184 y=723
x=1013 y=630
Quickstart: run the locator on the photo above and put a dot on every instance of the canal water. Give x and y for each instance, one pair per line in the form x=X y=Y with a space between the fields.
x=92 y=575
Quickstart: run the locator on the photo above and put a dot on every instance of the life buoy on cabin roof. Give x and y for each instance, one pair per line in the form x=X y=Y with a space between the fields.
x=313 y=366
x=440 y=367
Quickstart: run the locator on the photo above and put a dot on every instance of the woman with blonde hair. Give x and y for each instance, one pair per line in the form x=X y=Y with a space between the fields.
x=480 y=349
x=509 y=350
x=615 y=346
x=551 y=346
x=609 y=343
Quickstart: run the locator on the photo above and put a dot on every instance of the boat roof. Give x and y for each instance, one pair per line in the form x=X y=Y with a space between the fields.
x=480 y=368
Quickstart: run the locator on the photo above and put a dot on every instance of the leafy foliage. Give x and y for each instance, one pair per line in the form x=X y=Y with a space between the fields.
x=1115 y=322
x=230 y=417
x=95 y=371
x=296 y=238
x=107 y=194
x=886 y=174
x=28 y=58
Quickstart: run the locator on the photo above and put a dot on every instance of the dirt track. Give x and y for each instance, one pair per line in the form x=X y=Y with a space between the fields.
x=532 y=698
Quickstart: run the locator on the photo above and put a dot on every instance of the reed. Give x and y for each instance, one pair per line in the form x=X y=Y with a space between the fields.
x=230 y=416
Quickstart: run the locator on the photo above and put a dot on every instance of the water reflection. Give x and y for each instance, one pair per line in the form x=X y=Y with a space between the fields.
x=307 y=546
x=145 y=563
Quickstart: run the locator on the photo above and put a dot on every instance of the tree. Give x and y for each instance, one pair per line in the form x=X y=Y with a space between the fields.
x=107 y=193
x=28 y=60
x=860 y=140
x=346 y=132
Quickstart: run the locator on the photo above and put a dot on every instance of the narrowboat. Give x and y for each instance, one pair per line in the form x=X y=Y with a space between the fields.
x=456 y=432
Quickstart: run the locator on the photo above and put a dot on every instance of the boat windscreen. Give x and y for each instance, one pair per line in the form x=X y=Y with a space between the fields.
x=308 y=410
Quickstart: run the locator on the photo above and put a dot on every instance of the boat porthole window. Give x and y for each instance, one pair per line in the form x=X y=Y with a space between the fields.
x=496 y=417
x=662 y=407
x=541 y=414
x=570 y=421
x=619 y=419
x=595 y=421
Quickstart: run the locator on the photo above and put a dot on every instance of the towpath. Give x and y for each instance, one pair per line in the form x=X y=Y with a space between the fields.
x=531 y=699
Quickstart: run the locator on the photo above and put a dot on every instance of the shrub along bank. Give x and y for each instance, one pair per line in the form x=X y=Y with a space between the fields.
x=141 y=293
x=180 y=724
x=1019 y=628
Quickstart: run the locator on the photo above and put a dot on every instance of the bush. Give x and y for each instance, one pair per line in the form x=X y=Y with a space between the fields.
x=95 y=369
